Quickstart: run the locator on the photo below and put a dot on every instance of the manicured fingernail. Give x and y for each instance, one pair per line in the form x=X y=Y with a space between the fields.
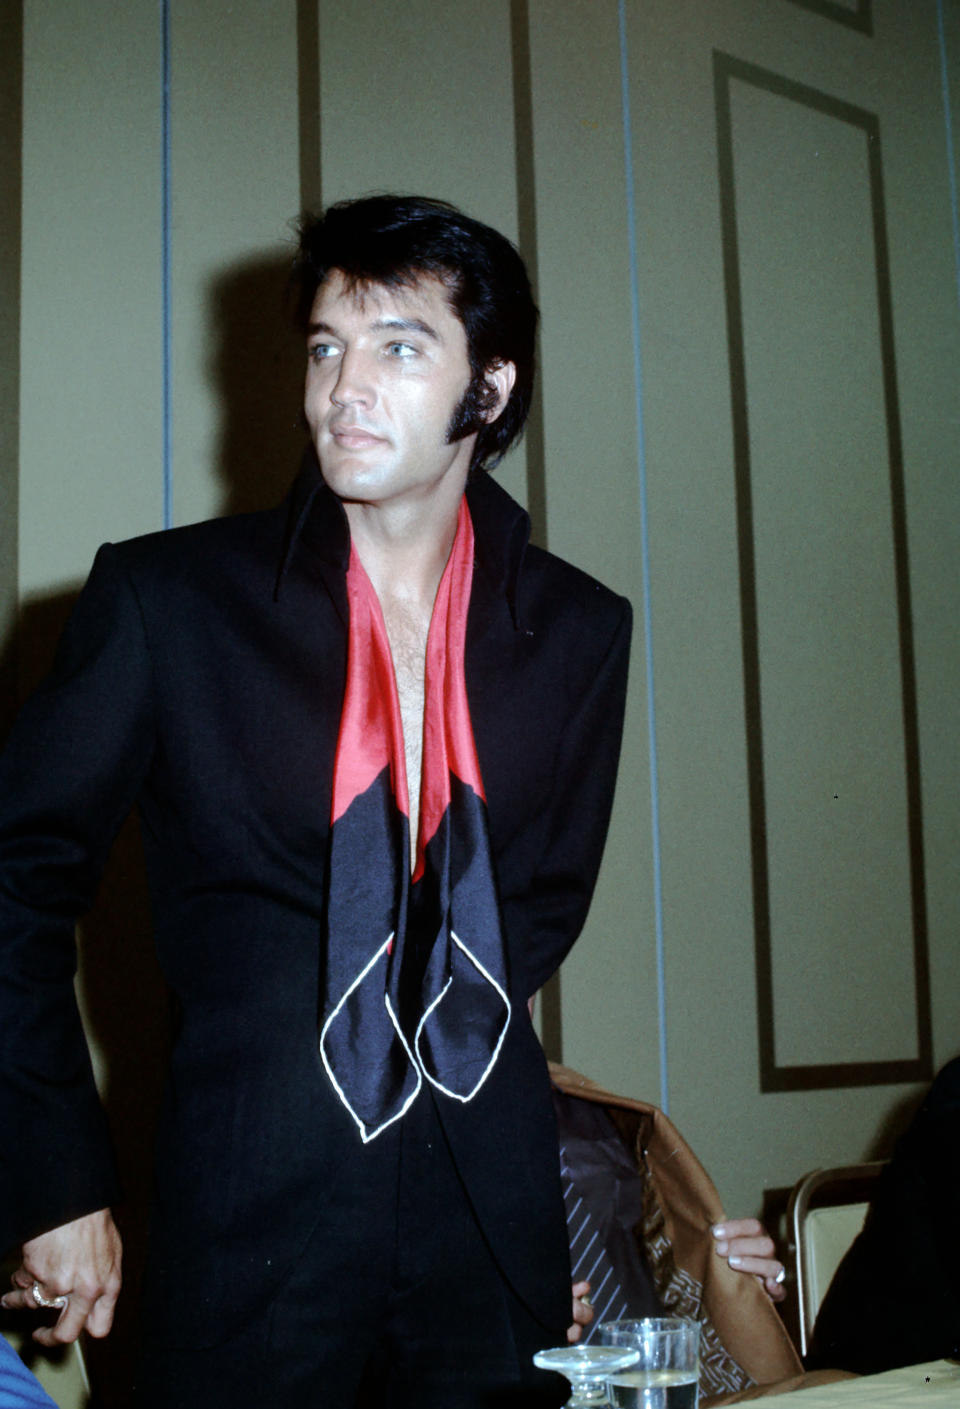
x=718 y=1230
x=736 y=1262
x=723 y=1249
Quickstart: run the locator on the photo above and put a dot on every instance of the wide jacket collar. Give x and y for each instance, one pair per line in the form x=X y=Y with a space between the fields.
x=317 y=526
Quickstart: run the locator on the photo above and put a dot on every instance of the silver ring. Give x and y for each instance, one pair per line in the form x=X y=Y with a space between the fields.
x=781 y=1276
x=53 y=1303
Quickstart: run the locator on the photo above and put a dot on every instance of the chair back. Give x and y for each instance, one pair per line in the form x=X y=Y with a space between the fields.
x=826 y=1212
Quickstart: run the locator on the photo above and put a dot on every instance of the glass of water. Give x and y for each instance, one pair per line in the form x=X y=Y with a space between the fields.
x=665 y=1376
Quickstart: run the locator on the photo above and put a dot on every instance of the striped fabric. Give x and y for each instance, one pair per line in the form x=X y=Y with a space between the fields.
x=588 y=1257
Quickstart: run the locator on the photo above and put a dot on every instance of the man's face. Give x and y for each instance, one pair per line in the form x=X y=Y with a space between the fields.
x=386 y=368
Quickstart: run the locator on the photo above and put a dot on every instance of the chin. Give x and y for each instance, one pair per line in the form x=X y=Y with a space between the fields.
x=355 y=488
x=349 y=475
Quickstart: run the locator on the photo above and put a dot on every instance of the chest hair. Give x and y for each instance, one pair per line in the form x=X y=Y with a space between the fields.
x=407 y=627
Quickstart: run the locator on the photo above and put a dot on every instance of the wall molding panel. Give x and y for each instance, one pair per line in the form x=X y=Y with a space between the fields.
x=870 y=614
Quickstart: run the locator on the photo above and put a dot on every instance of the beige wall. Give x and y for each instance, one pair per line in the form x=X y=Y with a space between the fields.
x=10 y=129
x=514 y=111
x=821 y=533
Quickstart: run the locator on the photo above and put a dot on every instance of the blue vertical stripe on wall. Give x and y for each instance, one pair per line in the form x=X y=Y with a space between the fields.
x=644 y=551
x=951 y=162
x=166 y=298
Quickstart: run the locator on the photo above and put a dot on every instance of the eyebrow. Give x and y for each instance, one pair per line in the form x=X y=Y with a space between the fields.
x=382 y=325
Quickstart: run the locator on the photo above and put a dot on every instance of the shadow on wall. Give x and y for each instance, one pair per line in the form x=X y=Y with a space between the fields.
x=125 y=1010
x=256 y=373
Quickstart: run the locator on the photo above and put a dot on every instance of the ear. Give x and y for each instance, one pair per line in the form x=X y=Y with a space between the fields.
x=499 y=377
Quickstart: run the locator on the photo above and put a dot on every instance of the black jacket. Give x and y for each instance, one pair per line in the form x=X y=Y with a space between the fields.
x=894 y=1298
x=201 y=677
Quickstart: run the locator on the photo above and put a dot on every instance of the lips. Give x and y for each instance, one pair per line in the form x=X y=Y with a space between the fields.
x=354 y=437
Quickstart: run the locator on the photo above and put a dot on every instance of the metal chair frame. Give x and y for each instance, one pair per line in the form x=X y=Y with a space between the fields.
x=842 y=1186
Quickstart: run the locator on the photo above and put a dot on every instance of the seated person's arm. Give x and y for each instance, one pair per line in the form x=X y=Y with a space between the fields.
x=746 y=1245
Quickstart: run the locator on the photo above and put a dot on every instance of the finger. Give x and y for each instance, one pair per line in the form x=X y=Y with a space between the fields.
x=100 y=1318
x=748 y=1247
x=738 y=1228
x=68 y=1325
x=774 y=1288
x=92 y=1305
x=761 y=1245
x=22 y=1298
x=582 y=1310
x=759 y=1266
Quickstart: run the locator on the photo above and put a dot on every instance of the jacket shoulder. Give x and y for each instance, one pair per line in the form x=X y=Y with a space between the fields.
x=554 y=589
x=204 y=550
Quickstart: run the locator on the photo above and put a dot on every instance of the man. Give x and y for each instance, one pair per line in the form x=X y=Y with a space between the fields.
x=373 y=738
x=894 y=1298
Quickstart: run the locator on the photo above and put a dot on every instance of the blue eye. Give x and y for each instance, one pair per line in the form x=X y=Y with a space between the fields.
x=401 y=349
x=321 y=350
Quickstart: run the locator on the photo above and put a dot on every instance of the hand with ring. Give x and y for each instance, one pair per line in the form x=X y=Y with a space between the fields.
x=748 y=1247
x=75 y=1270
x=582 y=1311
x=47 y=1303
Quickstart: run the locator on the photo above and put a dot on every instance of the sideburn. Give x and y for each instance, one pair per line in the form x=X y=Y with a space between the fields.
x=470 y=413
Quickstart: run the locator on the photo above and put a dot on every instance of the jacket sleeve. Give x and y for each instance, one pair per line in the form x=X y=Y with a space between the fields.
x=550 y=918
x=71 y=770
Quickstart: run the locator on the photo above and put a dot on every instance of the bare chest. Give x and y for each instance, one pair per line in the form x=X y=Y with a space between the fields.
x=407 y=630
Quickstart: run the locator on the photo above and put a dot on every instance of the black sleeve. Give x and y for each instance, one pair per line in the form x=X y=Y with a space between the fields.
x=894 y=1299
x=70 y=772
x=551 y=918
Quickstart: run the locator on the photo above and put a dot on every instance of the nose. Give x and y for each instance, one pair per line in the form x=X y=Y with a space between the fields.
x=354 y=385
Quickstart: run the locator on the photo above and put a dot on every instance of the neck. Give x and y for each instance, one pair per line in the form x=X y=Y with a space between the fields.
x=404 y=553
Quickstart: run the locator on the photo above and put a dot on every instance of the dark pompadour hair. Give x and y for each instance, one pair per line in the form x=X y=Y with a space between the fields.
x=393 y=241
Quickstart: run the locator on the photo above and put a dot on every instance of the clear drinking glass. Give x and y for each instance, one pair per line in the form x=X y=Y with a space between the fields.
x=588 y=1368
x=665 y=1374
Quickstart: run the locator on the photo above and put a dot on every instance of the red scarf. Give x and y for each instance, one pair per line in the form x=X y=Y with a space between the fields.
x=415 y=983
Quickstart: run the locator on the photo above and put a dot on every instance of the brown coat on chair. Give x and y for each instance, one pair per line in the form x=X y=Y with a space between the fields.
x=743 y=1342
